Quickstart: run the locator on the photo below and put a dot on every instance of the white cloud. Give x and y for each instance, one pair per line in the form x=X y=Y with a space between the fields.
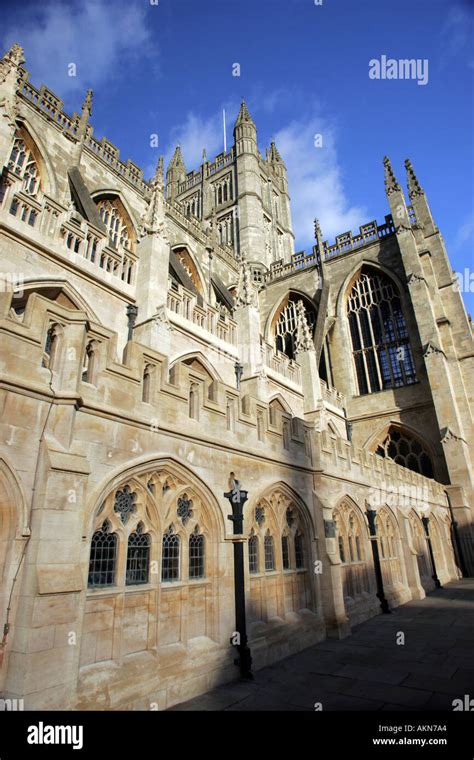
x=196 y=133
x=455 y=34
x=98 y=36
x=315 y=182
x=465 y=233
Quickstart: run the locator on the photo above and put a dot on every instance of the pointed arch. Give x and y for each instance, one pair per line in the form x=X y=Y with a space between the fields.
x=117 y=217
x=35 y=142
x=403 y=444
x=189 y=262
x=280 y=327
x=55 y=289
x=197 y=356
x=375 y=316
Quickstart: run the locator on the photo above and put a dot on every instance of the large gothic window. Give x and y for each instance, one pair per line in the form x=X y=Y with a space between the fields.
x=112 y=215
x=380 y=343
x=286 y=324
x=350 y=530
x=23 y=164
x=406 y=450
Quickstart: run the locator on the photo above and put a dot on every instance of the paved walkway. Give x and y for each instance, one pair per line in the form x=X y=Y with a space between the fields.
x=368 y=670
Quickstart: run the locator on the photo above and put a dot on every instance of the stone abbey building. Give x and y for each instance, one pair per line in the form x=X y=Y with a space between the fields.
x=157 y=336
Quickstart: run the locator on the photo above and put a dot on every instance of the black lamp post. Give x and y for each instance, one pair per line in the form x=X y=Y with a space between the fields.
x=371 y=515
x=237 y=500
x=426 y=521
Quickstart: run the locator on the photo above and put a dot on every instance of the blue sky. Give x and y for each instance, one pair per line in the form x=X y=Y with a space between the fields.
x=166 y=69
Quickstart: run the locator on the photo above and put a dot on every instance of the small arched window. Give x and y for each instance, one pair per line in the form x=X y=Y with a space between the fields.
x=285 y=551
x=253 y=553
x=380 y=343
x=194 y=401
x=90 y=362
x=196 y=554
x=51 y=347
x=103 y=557
x=407 y=451
x=138 y=557
x=299 y=551
x=170 y=556
x=146 y=384
x=269 y=549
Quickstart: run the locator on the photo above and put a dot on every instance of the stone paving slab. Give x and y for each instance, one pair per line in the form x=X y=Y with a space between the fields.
x=368 y=670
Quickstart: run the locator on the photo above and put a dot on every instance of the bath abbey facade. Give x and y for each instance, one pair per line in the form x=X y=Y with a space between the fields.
x=157 y=336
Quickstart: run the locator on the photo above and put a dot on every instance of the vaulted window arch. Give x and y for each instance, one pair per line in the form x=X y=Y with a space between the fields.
x=285 y=323
x=380 y=343
x=406 y=450
x=350 y=528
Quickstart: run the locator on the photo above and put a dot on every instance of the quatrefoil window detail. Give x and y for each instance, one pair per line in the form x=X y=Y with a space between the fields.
x=125 y=503
x=184 y=509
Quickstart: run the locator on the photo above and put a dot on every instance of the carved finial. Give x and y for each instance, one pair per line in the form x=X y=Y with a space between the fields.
x=246 y=292
x=204 y=155
x=391 y=184
x=177 y=161
x=304 y=341
x=317 y=231
x=15 y=56
x=9 y=75
x=273 y=156
x=244 y=115
x=87 y=105
x=414 y=187
x=153 y=218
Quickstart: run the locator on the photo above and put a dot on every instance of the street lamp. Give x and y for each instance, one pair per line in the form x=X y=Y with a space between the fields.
x=237 y=499
x=371 y=515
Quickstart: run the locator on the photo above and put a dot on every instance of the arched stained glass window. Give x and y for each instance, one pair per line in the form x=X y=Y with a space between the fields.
x=253 y=553
x=269 y=549
x=380 y=343
x=196 y=554
x=103 y=557
x=138 y=557
x=170 y=557
x=285 y=550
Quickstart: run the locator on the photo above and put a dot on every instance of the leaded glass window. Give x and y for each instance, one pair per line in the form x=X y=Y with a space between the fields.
x=170 y=557
x=269 y=550
x=196 y=554
x=138 y=557
x=253 y=553
x=285 y=551
x=299 y=551
x=103 y=557
x=381 y=347
x=407 y=451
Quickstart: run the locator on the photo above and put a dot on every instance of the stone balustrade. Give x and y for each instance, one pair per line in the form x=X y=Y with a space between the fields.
x=183 y=303
x=280 y=363
x=332 y=396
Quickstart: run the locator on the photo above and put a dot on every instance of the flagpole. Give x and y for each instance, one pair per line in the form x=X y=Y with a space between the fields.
x=225 y=139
